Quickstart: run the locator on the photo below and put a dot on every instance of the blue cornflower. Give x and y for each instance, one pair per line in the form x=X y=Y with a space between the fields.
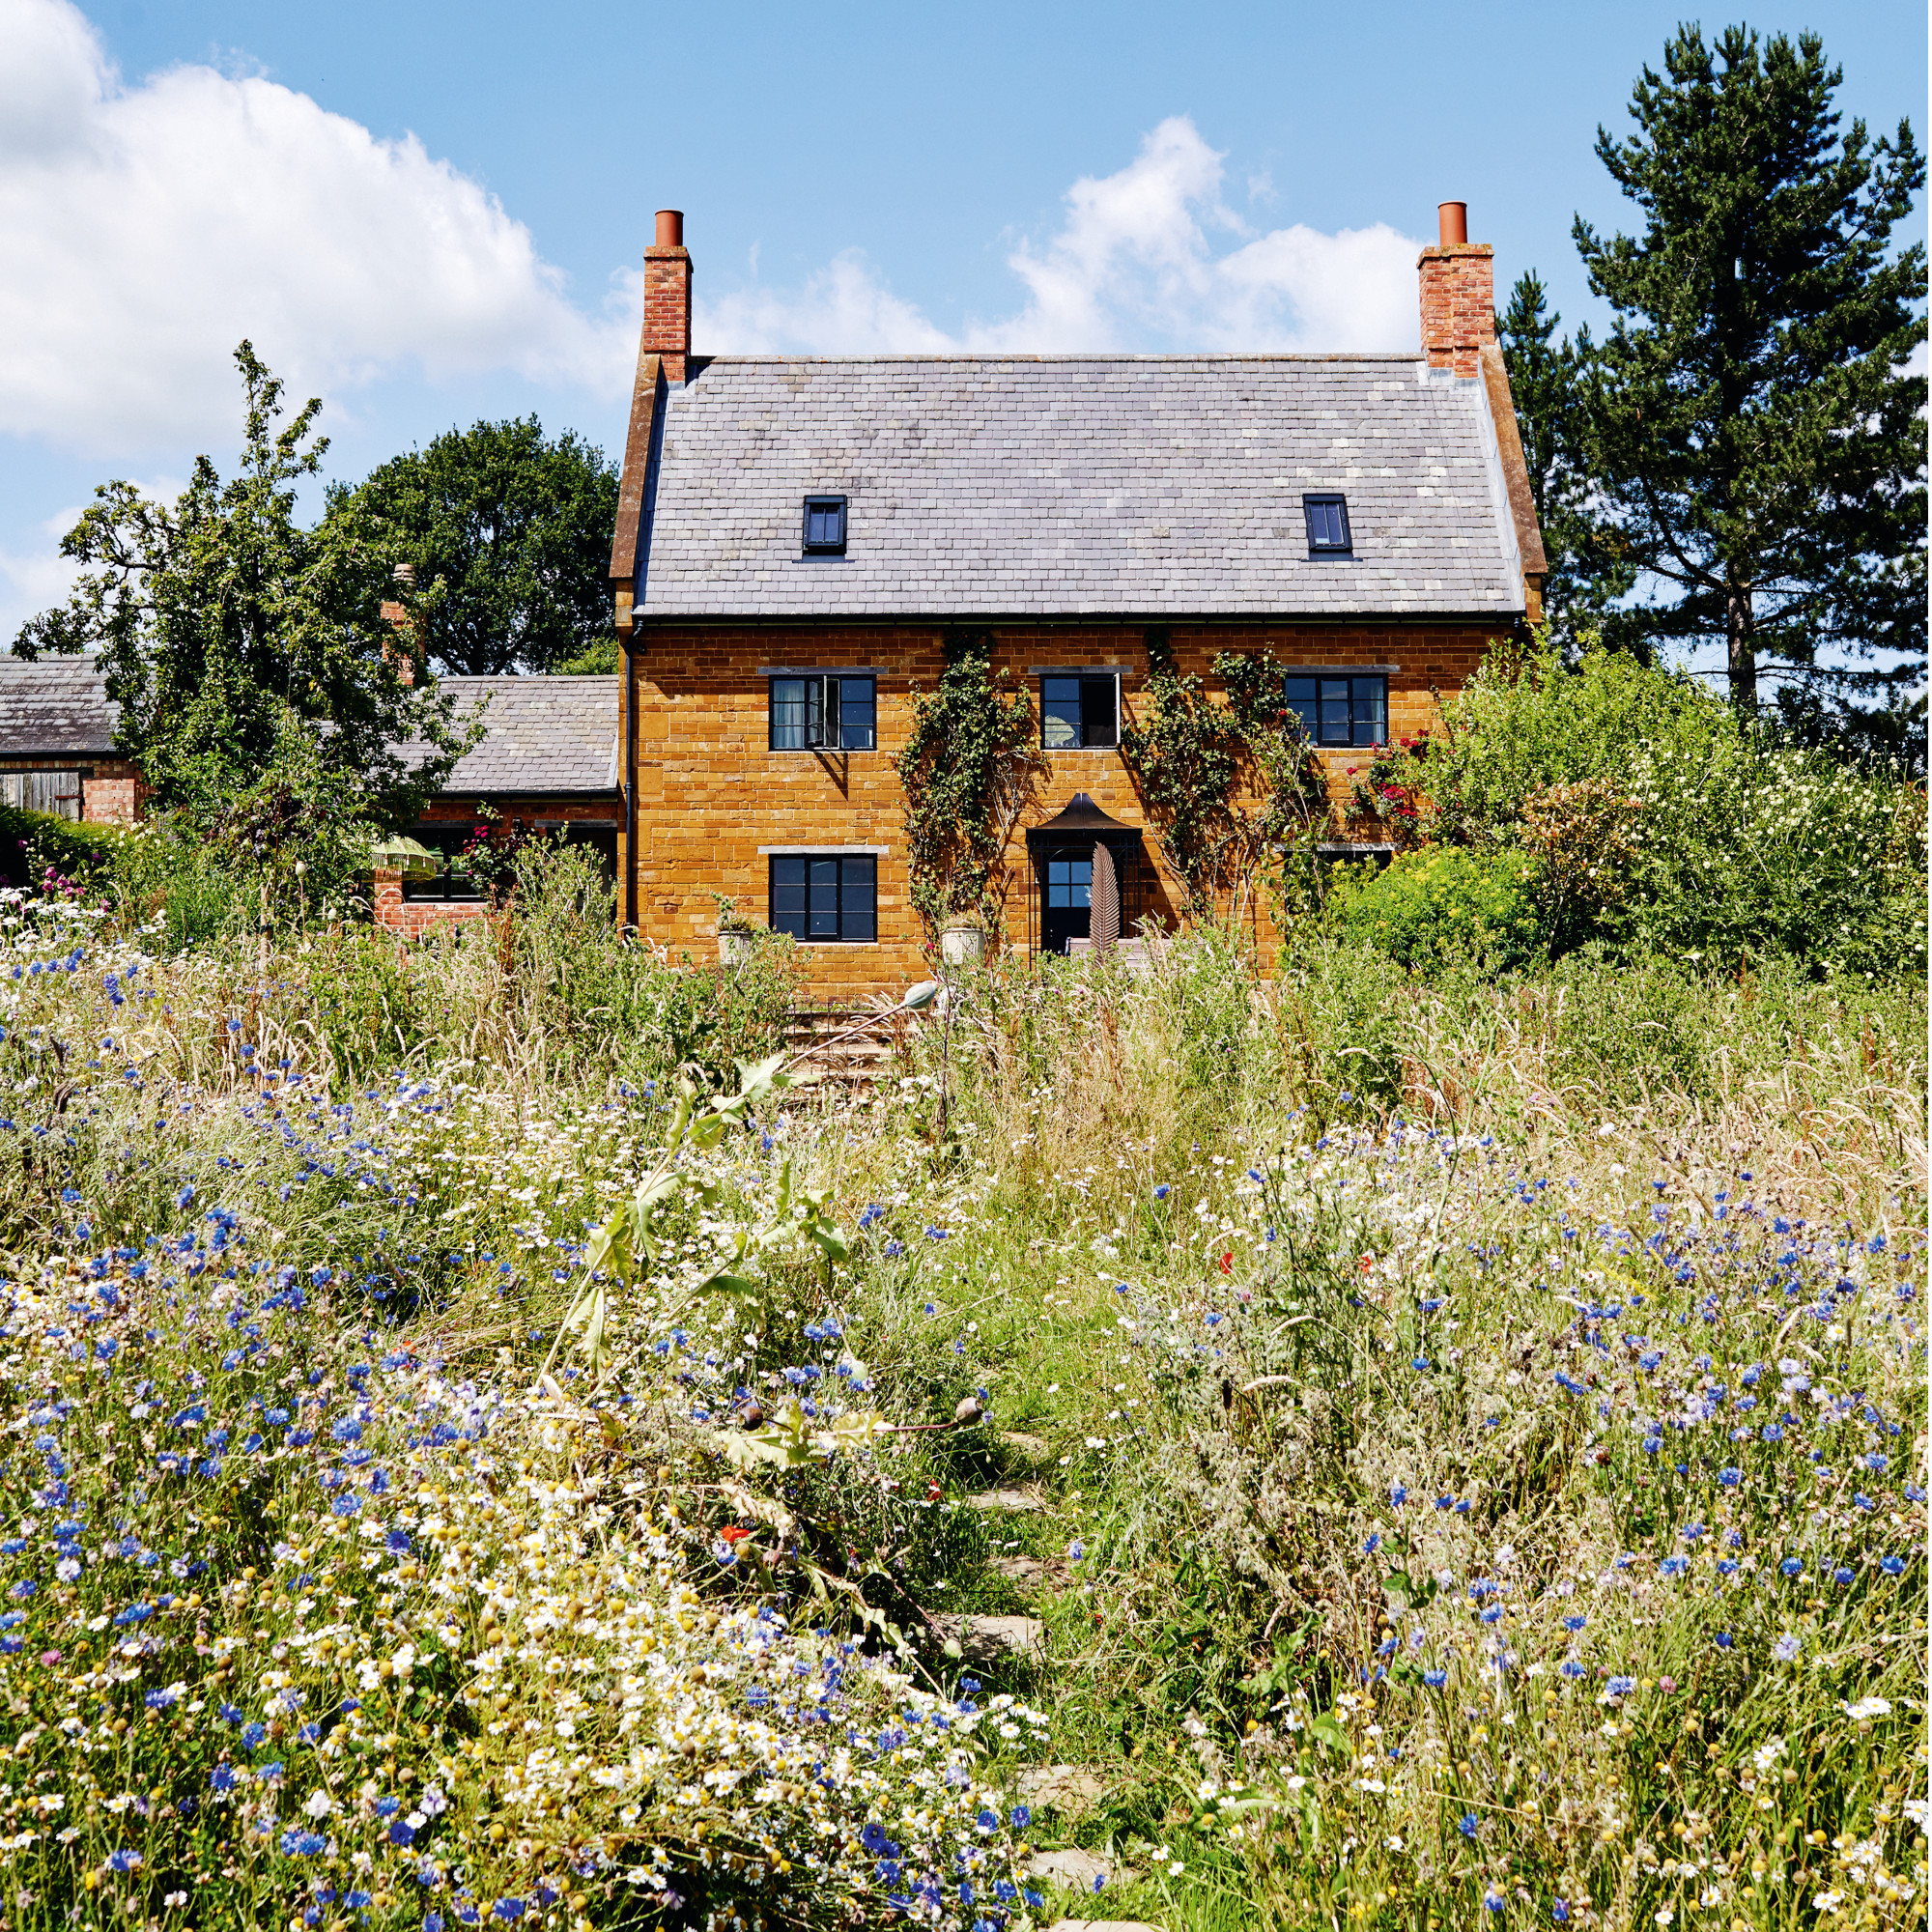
x=1467 y=1824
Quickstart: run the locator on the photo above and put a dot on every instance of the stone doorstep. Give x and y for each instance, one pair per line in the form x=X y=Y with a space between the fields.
x=1035 y=1446
x=1102 y=1925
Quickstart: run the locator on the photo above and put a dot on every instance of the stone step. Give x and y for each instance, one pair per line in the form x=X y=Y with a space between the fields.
x=995 y=1639
x=1070 y=1789
x=1006 y=1499
x=1078 y=1869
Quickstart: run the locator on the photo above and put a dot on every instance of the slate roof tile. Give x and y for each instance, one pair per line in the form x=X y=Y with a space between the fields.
x=53 y=707
x=1058 y=485
x=541 y=734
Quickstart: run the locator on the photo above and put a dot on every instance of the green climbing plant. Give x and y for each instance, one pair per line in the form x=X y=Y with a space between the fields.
x=970 y=765
x=1227 y=787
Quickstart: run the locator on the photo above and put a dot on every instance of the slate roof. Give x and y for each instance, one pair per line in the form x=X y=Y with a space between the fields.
x=542 y=734
x=55 y=707
x=1071 y=485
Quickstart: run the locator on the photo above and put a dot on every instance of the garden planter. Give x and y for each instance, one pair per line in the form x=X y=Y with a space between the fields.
x=963 y=946
x=735 y=944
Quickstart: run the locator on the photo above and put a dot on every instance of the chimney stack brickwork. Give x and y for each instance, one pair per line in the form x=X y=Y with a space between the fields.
x=668 y=296
x=1458 y=306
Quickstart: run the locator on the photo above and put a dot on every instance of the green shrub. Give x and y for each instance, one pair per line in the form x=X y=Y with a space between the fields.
x=33 y=842
x=1446 y=903
x=168 y=879
x=1728 y=843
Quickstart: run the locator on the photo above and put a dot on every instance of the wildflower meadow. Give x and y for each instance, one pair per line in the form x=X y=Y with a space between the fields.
x=490 y=1445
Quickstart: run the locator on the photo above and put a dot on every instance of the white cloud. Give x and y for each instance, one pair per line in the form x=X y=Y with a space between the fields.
x=147 y=229
x=1134 y=264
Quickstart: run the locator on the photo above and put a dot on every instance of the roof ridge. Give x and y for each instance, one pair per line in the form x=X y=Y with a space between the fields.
x=1086 y=356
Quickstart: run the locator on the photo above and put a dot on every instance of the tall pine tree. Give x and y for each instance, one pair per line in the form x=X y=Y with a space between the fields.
x=1758 y=452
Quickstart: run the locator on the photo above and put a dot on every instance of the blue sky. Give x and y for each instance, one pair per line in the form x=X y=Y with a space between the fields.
x=430 y=214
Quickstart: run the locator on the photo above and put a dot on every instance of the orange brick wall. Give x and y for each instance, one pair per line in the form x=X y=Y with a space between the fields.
x=709 y=794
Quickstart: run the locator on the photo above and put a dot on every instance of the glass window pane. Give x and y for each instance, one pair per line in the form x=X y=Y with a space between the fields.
x=822 y=903
x=788 y=714
x=856 y=714
x=814 y=711
x=1059 y=707
x=1371 y=711
x=1298 y=694
x=1099 y=723
x=858 y=888
x=1335 y=723
x=788 y=896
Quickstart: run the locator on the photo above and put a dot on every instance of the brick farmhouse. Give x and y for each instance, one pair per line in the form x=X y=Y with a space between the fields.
x=796 y=538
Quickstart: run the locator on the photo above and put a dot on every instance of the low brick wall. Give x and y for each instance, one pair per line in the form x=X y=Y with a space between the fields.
x=413 y=917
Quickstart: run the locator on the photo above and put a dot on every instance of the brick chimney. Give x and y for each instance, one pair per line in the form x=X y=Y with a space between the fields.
x=1459 y=296
x=668 y=296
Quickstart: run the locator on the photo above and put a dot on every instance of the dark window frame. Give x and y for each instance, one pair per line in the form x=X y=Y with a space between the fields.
x=806 y=884
x=1364 y=716
x=1085 y=681
x=1322 y=544
x=824 y=544
x=825 y=679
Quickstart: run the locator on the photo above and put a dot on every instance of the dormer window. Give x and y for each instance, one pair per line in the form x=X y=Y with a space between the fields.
x=825 y=526
x=1327 y=525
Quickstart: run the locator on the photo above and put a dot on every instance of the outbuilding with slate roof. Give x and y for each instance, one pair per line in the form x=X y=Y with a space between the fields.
x=547 y=761
x=798 y=537
x=57 y=751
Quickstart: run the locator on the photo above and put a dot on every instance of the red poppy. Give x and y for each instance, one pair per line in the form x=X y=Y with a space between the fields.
x=731 y=1533
x=1228 y=1263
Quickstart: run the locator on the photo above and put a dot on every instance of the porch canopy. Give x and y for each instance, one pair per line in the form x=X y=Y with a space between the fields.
x=1082 y=822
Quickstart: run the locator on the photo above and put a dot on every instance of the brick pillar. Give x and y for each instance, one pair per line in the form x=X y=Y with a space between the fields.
x=1459 y=296
x=387 y=908
x=668 y=296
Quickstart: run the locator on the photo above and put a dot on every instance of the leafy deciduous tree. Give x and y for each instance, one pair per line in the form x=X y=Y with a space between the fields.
x=228 y=632
x=518 y=529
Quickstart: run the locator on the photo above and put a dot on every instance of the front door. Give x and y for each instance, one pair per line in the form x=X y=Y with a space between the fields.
x=1068 y=909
